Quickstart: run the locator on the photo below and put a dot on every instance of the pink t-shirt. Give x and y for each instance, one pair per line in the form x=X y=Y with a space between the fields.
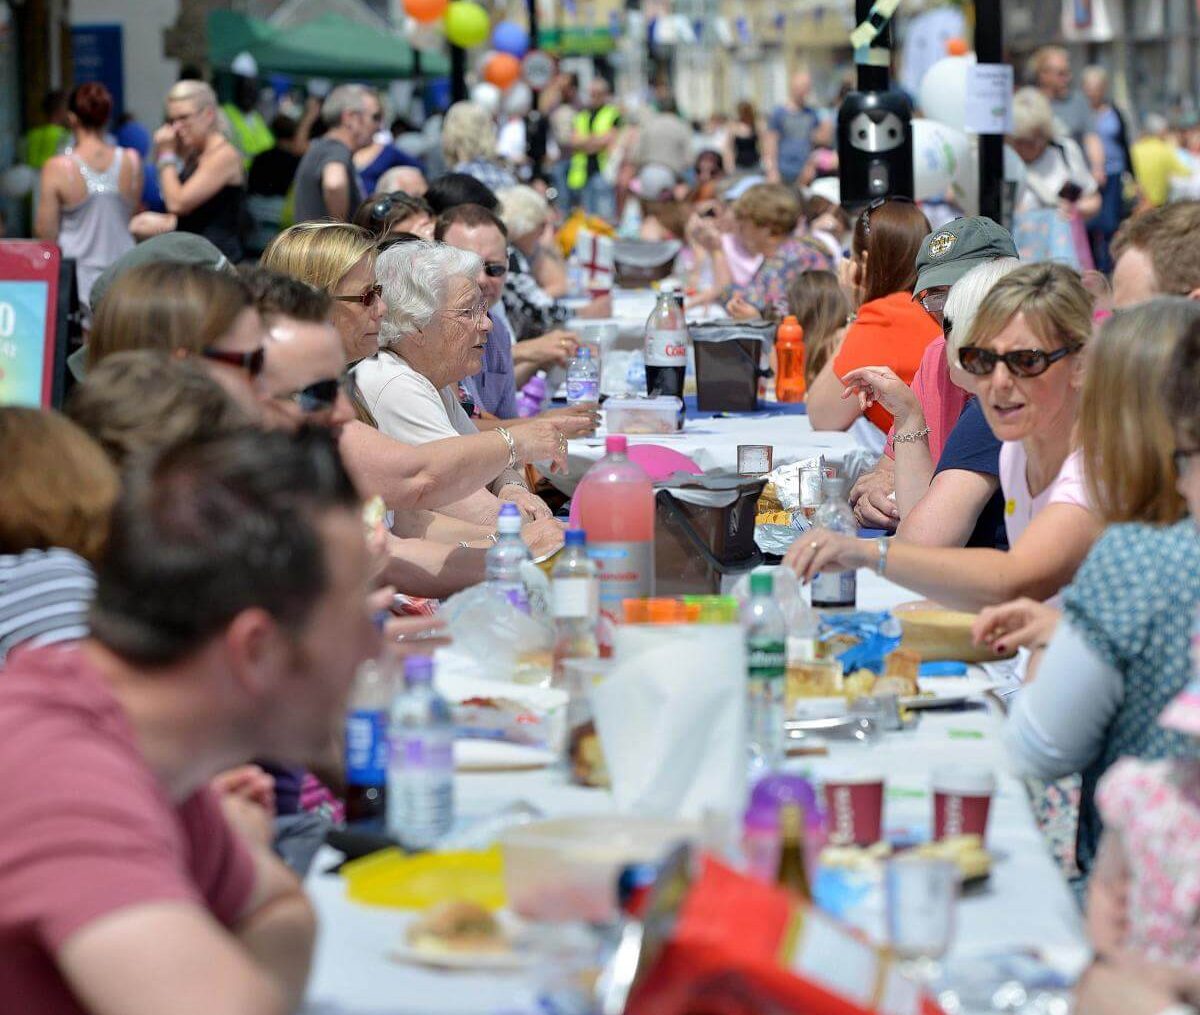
x=1020 y=505
x=941 y=399
x=742 y=264
x=86 y=829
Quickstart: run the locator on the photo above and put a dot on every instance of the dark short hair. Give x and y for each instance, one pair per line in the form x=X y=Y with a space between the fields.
x=1181 y=387
x=214 y=527
x=275 y=293
x=469 y=216
x=284 y=127
x=460 y=188
x=92 y=105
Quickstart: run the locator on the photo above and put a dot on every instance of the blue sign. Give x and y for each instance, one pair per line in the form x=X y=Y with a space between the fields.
x=97 y=54
x=23 y=307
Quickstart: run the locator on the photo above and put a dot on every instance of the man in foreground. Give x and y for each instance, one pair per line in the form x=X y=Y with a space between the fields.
x=230 y=617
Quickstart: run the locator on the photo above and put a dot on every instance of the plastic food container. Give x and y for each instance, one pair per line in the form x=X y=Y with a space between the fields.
x=662 y=414
x=566 y=869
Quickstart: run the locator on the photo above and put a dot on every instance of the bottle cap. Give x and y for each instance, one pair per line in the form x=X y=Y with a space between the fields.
x=575 y=537
x=616 y=444
x=584 y=352
x=418 y=670
x=509 y=520
x=762 y=583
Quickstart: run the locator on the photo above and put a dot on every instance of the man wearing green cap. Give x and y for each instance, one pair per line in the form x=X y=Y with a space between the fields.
x=946 y=255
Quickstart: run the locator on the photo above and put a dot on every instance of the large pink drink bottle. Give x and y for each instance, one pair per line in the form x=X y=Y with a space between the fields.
x=614 y=505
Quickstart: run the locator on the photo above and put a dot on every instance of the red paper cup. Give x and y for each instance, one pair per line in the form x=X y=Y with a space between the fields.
x=854 y=808
x=962 y=798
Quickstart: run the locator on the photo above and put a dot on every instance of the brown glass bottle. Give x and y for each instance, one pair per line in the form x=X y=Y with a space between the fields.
x=793 y=869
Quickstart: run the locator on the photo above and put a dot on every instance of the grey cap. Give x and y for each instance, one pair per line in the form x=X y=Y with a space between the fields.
x=180 y=248
x=654 y=182
x=947 y=254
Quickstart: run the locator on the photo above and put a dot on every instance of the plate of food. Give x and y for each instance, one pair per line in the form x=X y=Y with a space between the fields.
x=462 y=936
x=966 y=852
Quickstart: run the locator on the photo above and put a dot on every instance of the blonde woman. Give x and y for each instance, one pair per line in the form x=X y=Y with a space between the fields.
x=469 y=145
x=340 y=259
x=530 y=222
x=1024 y=352
x=200 y=173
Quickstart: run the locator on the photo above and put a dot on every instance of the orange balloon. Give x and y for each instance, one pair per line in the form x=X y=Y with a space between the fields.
x=425 y=11
x=957 y=47
x=502 y=70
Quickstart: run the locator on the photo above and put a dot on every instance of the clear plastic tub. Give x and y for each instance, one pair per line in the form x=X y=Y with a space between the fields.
x=662 y=414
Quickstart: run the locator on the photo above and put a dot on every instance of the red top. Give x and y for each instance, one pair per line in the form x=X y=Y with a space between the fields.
x=86 y=829
x=941 y=399
x=889 y=332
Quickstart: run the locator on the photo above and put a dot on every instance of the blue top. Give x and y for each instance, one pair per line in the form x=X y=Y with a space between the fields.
x=973 y=447
x=1133 y=601
x=794 y=127
x=1107 y=126
x=389 y=158
x=494 y=388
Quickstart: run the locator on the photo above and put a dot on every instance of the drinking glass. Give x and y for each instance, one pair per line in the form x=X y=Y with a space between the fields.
x=921 y=896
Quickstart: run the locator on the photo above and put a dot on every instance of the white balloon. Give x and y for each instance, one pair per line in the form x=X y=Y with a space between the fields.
x=940 y=159
x=943 y=92
x=18 y=181
x=428 y=38
x=487 y=95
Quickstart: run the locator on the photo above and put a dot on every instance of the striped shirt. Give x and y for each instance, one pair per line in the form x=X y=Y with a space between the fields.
x=44 y=598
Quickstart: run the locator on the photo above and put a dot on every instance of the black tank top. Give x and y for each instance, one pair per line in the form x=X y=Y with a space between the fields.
x=220 y=219
x=745 y=151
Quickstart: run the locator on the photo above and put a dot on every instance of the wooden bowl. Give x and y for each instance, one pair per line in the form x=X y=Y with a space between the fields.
x=941 y=634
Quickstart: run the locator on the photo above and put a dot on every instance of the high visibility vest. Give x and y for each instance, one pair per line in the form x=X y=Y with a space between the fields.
x=250 y=132
x=588 y=123
x=44 y=142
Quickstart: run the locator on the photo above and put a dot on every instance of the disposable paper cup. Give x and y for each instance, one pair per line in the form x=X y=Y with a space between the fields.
x=962 y=798
x=854 y=808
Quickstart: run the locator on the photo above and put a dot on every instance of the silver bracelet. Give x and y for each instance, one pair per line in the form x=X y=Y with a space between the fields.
x=464 y=545
x=174 y=161
x=916 y=435
x=493 y=538
x=512 y=445
x=882 y=544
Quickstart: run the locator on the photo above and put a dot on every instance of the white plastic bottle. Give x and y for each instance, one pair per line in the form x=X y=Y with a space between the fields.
x=766 y=658
x=420 y=798
x=583 y=378
x=503 y=564
x=575 y=594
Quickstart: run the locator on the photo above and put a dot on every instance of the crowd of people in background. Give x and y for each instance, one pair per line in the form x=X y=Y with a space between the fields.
x=290 y=312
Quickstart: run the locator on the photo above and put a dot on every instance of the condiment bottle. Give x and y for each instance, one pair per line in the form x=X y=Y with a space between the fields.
x=793 y=870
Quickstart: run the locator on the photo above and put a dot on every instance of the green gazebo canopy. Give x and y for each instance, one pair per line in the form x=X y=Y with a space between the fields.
x=327 y=47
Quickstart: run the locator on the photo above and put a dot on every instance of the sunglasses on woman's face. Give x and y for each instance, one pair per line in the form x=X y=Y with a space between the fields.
x=320 y=396
x=493 y=270
x=1020 y=362
x=368 y=296
x=251 y=362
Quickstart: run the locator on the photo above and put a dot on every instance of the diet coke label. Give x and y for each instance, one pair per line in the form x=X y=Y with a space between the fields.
x=666 y=348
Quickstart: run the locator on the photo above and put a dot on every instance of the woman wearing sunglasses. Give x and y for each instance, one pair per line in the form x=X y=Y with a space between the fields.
x=1024 y=352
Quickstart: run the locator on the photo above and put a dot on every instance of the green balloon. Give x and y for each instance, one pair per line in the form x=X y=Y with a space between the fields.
x=467 y=24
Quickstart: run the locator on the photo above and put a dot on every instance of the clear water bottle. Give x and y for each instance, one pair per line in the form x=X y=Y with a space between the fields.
x=504 y=560
x=366 y=740
x=583 y=378
x=575 y=595
x=766 y=674
x=835 y=589
x=420 y=807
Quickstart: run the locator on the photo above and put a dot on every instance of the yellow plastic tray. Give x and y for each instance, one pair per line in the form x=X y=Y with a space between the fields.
x=393 y=878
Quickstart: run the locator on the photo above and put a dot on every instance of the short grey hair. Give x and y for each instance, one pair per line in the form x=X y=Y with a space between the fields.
x=344 y=99
x=1032 y=115
x=522 y=209
x=468 y=133
x=965 y=297
x=416 y=278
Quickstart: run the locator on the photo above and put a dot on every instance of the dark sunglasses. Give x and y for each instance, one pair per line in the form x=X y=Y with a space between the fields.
x=1182 y=457
x=1020 y=362
x=368 y=296
x=879 y=202
x=320 y=396
x=493 y=270
x=380 y=209
x=251 y=362
x=934 y=301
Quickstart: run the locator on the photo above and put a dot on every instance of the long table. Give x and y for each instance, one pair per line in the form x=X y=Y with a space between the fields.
x=1026 y=902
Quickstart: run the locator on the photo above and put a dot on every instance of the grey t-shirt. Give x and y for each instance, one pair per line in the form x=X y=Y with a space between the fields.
x=310 y=200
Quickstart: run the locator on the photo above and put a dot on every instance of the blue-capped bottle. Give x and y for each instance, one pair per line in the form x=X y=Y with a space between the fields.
x=420 y=801
x=504 y=560
x=366 y=741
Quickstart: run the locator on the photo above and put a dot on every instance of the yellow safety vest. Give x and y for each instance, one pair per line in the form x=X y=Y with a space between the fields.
x=44 y=142
x=251 y=133
x=586 y=124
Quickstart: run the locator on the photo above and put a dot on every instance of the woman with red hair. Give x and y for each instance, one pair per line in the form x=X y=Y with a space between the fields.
x=89 y=193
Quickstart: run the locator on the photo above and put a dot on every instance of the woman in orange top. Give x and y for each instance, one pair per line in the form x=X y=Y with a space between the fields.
x=891 y=328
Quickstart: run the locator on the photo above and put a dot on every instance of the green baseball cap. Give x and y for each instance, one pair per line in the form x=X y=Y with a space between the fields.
x=947 y=254
x=184 y=248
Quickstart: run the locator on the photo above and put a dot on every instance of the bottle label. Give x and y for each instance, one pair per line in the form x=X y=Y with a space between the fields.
x=583 y=389
x=666 y=348
x=835 y=588
x=433 y=754
x=366 y=747
x=624 y=570
x=573 y=597
x=766 y=660
x=514 y=592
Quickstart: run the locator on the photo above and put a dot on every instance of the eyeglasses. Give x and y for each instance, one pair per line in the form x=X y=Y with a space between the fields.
x=879 y=202
x=1020 y=362
x=320 y=396
x=933 y=300
x=1183 y=458
x=477 y=314
x=494 y=270
x=368 y=296
x=251 y=362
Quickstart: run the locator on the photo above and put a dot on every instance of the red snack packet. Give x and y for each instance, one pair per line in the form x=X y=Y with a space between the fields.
x=740 y=947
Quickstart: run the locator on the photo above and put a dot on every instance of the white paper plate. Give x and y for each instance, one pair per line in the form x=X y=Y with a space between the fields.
x=464 y=962
x=498 y=756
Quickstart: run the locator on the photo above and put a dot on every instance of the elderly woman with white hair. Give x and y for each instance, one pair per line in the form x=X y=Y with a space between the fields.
x=530 y=222
x=200 y=173
x=952 y=499
x=469 y=145
x=432 y=337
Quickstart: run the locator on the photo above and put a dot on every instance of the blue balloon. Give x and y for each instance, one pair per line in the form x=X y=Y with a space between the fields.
x=509 y=37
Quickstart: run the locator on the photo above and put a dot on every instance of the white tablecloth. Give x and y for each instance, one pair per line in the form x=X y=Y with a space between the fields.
x=1026 y=902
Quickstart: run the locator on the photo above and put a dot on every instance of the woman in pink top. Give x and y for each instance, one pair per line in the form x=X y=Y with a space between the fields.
x=1023 y=352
